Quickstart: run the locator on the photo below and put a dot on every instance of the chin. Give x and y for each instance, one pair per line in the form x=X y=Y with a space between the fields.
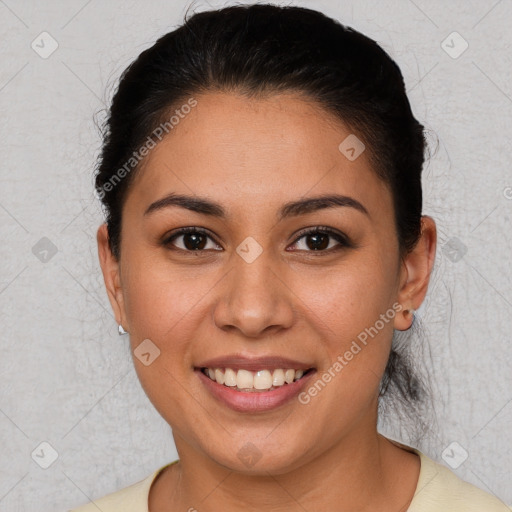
x=260 y=458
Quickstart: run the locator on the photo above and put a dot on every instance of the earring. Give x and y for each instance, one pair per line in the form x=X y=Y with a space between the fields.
x=121 y=330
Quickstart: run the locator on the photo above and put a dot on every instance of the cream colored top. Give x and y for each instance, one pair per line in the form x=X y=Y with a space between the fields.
x=438 y=490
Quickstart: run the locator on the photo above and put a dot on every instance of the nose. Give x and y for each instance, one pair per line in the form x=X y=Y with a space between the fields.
x=254 y=299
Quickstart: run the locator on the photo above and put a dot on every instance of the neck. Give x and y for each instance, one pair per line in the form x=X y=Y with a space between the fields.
x=363 y=471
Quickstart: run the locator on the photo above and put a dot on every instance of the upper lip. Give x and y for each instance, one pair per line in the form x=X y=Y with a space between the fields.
x=254 y=363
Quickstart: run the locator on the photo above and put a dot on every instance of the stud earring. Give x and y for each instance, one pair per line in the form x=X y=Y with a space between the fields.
x=121 y=330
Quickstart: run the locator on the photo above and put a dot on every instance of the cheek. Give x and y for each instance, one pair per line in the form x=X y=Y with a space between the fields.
x=352 y=308
x=348 y=298
x=357 y=326
x=162 y=300
x=165 y=308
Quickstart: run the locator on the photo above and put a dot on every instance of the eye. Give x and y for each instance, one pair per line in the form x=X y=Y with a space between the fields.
x=317 y=240
x=193 y=239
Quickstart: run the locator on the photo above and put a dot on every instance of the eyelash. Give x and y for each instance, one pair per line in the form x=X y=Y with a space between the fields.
x=324 y=230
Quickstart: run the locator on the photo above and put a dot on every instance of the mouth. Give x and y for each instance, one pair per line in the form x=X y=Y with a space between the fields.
x=260 y=381
x=254 y=386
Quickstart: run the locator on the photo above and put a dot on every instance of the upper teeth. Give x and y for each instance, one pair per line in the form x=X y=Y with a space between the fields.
x=245 y=379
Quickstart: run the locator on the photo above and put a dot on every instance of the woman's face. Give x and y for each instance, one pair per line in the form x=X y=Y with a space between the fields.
x=255 y=290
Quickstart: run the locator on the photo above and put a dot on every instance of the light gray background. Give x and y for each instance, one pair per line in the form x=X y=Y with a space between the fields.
x=67 y=378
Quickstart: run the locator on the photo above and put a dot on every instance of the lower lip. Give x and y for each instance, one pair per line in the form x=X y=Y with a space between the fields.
x=256 y=401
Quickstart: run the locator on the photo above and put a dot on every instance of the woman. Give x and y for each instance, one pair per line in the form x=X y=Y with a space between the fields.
x=264 y=240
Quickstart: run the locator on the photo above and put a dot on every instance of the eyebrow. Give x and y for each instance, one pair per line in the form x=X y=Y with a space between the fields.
x=291 y=209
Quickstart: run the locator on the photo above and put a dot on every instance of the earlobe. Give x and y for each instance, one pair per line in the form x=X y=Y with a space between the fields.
x=416 y=270
x=111 y=275
x=404 y=320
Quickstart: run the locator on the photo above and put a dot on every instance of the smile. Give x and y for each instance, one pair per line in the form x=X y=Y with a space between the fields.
x=254 y=381
x=256 y=390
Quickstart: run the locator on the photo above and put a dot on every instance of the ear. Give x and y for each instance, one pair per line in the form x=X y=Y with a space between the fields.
x=111 y=275
x=415 y=273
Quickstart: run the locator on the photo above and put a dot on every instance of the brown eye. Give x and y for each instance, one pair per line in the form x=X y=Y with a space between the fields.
x=192 y=239
x=320 y=239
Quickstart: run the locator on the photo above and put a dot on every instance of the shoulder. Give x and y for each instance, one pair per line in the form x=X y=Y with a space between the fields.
x=440 y=489
x=133 y=498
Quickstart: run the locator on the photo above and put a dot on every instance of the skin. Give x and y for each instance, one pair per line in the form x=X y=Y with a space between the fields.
x=252 y=156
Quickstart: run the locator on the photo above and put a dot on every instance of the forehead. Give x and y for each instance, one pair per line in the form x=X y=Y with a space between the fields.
x=257 y=152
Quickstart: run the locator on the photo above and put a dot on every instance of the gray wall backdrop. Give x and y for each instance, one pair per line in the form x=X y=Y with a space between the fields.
x=74 y=422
